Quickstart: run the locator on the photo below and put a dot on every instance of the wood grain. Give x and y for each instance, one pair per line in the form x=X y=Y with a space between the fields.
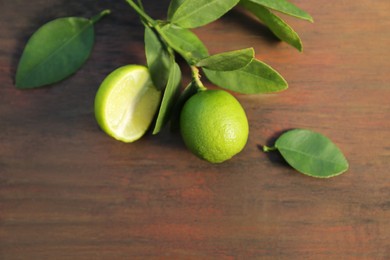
x=67 y=191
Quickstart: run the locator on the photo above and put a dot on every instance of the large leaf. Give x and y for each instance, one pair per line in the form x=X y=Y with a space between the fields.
x=55 y=51
x=184 y=42
x=158 y=58
x=196 y=13
x=311 y=153
x=256 y=77
x=170 y=94
x=281 y=29
x=286 y=7
x=232 y=60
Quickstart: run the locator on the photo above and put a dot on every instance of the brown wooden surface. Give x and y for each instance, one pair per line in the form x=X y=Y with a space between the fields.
x=68 y=191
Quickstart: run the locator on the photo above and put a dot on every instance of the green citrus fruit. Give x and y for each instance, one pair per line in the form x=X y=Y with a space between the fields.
x=126 y=102
x=214 y=125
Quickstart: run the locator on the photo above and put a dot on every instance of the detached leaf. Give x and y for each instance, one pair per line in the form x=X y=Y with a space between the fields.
x=232 y=60
x=196 y=13
x=311 y=153
x=256 y=77
x=173 y=6
x=281 y=29
x=158 y=59
x=286 y=7
x=169 y=97
x=55 y=51
x=185 y=42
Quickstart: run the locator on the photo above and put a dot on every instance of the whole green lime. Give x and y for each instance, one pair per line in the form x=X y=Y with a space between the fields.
x=214 y=125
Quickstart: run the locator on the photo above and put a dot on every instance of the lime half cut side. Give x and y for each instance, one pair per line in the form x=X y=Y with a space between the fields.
x=126 y=102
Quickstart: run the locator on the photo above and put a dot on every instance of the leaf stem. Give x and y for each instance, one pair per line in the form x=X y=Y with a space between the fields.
x=141 y=13
x=267 y=149
x=196 y=79
x=99 y=16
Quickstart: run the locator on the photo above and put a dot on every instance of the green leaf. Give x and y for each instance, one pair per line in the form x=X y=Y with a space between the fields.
x=158 y=58
x=286 y=7
x=311 y=153
x=281 y=29
x=55 y=51
x=227 y=61
x=256 y=77
x=173 y=6
x=169 y=97
x=184 y=42
x=196 y=13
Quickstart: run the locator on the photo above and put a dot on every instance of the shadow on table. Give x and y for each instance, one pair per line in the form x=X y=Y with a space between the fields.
x=252 y=25
x=275 y=156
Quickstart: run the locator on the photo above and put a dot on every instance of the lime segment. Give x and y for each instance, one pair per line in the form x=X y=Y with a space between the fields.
x=126 y=103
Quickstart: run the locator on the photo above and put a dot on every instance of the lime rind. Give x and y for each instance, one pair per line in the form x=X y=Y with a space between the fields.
x=214 y=125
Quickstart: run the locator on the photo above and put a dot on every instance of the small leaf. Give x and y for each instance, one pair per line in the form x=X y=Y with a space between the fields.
x=232 y=60
x=173 y=6
x=281 y=29
x=286 y=7
x=256 y=77
x=311 y=153
x=196 y=13
x=158 y=59
x=184 y=42
x=169 y=97
x=56 y=50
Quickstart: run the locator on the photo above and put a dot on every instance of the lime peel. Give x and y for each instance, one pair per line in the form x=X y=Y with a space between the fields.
x=214 y=125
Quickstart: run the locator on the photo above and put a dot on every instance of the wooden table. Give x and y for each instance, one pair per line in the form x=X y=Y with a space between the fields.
x=68 y=191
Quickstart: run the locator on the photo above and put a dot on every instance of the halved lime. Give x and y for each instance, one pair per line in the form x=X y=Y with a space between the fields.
x=126 y=102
